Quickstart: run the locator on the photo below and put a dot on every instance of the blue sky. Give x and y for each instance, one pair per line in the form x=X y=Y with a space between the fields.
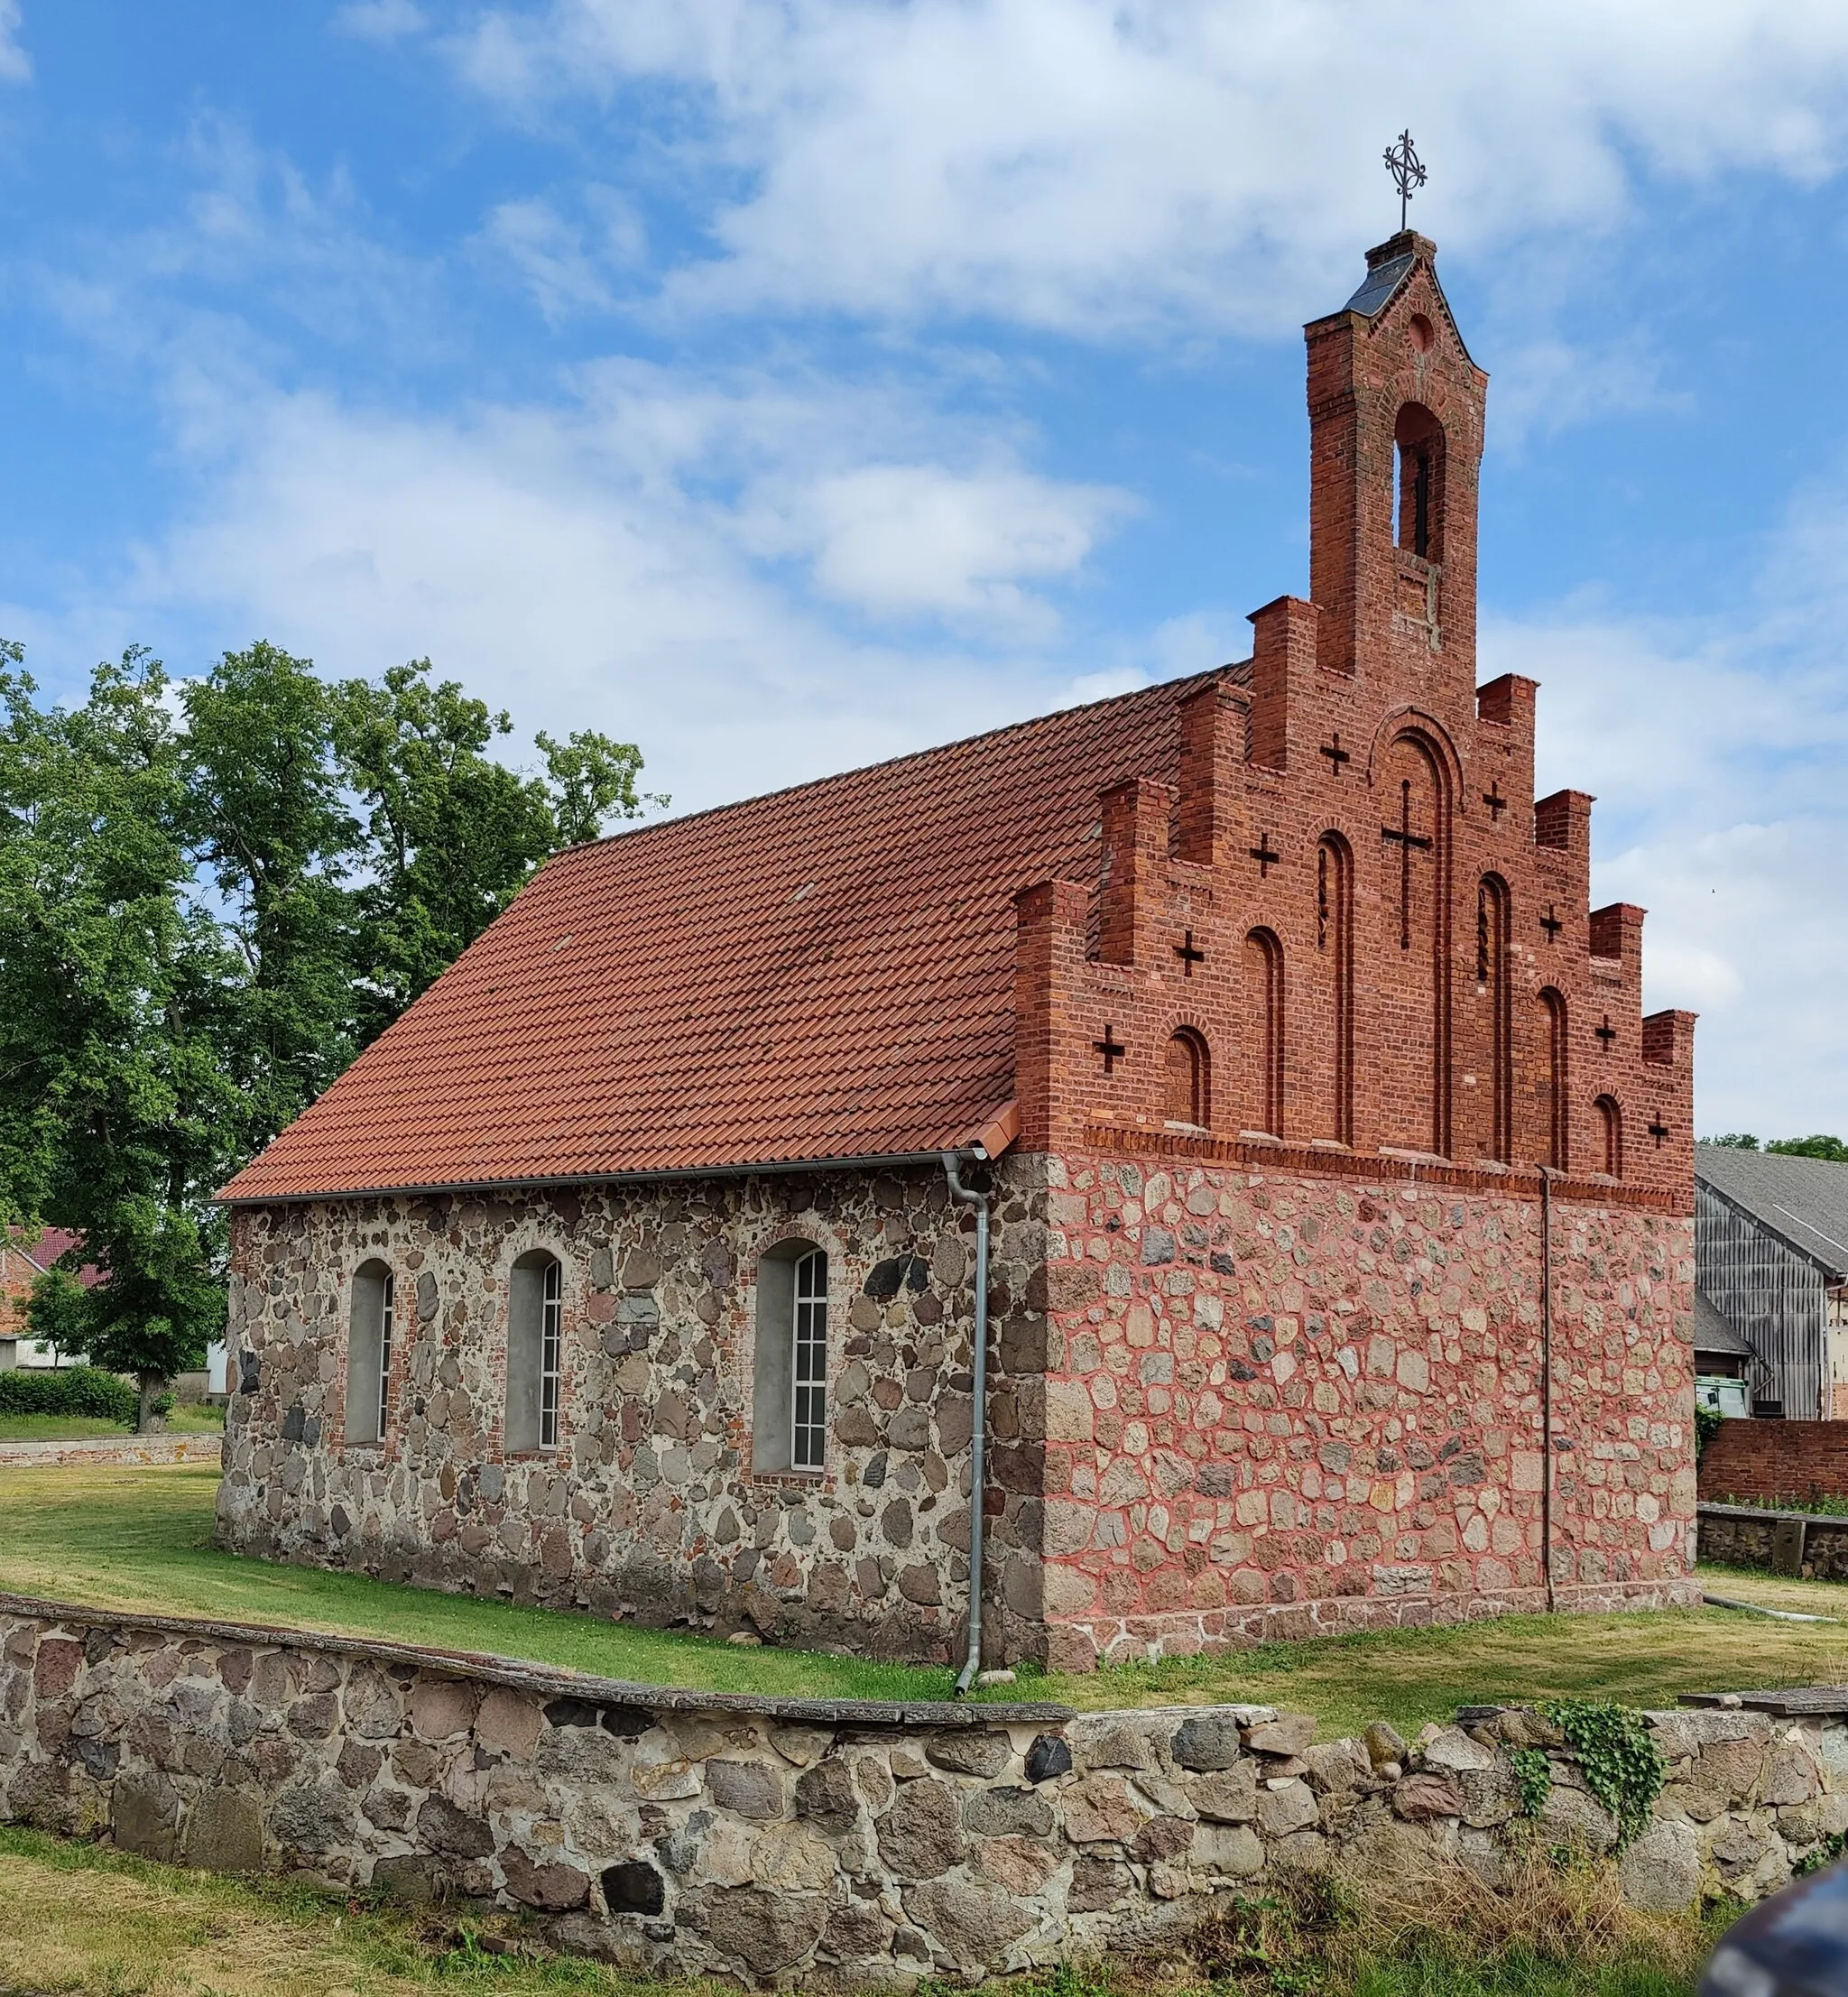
x=784 y=383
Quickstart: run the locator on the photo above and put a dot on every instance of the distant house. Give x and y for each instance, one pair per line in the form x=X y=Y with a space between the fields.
x=23 y=1261
x=1772 y=1256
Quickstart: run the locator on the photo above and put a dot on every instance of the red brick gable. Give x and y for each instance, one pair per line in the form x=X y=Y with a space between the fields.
x=825 y=972
x=1310 y=906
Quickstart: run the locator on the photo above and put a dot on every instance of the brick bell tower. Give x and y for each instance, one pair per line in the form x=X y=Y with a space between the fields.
x=1396 y=412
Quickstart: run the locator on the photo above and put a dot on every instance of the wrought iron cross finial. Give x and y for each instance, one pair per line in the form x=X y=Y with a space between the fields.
x=1407 y=171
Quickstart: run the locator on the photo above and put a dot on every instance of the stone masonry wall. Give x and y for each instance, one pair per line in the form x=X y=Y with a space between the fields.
x=804 y=1844
x=1280 y=1403
x=1747 y=1535
x=649 y=1506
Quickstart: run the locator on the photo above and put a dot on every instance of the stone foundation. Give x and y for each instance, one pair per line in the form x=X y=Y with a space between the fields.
x=803 y=1842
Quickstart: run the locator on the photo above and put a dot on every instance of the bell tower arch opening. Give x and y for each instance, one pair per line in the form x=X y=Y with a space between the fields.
x=1418 y=513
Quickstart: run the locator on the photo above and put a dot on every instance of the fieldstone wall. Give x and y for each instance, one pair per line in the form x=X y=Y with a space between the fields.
x=1281 y=1403
x=1809 y=1545
x=649 y=1506
x=803 y=1842
x=113 y=1449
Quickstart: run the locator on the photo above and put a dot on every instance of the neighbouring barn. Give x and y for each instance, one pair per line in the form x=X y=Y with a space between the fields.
x=1771 y=1234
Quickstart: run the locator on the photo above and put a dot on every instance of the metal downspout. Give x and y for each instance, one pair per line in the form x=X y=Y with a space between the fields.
x=978 y=1426
x=1546 y=1385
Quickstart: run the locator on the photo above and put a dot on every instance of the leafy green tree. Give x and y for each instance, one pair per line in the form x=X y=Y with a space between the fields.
x=1830 y=1148
x=211 y=897
x=57 y=1311
x=1733 y=1140
x=118 y=1114
x=265 y=817
x=453 y=834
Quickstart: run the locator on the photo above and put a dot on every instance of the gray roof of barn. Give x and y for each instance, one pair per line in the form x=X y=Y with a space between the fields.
x=1712 y=1330
x=1804 y=1200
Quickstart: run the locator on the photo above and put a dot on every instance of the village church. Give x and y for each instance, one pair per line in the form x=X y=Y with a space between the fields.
x=1312 y=1105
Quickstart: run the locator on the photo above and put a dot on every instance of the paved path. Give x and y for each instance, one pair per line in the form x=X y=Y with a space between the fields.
x=107 y=1450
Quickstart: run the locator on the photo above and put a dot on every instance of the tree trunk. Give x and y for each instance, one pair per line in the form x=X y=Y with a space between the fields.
x=151 y=1384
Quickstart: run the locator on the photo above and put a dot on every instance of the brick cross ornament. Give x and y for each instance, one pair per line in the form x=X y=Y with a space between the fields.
x=1407 y=841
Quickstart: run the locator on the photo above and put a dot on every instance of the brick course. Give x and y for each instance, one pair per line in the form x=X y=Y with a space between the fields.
x=1766 y=1461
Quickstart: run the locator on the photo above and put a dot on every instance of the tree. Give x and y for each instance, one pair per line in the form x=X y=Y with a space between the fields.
x=264 y=815
x=211 y=897
x=453 y=835
x=57 y=1311
x=1733 y=1140
x=1830 y=1148
x=118 y=1114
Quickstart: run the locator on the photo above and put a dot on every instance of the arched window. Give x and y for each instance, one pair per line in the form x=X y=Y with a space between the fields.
x=1611 y=1123
x=1189 y=1092
x=1552 y=1133
x=790 y=1380
x=1496 y=1030
x=1418 y=512
x=369 y=1354
x=1335 y=979
x=1265 y=993
x=535 y=1347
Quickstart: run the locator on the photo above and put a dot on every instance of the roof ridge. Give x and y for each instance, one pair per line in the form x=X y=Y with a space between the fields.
x=892 y=762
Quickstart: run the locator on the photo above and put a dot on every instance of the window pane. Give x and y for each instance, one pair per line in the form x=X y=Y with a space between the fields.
x=385 y=1328
x=551 y=1313
x=809 y=1368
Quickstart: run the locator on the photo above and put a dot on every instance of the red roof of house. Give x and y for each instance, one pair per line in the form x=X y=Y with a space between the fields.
x=824 y=973
x=48 y=1245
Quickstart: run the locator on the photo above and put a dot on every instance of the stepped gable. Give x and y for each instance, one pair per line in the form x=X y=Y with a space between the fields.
x=824 y=973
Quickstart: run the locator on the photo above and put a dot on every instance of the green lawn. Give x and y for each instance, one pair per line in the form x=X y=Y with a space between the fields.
x=196 y=1420
x=139 y=1538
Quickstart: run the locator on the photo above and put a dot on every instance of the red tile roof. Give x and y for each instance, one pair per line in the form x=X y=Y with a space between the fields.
x=824 y=973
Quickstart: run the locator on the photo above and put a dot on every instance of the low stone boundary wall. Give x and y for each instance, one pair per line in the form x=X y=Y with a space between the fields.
x=1773 y=1462
x=833 y=1845
x=108 y=1449
x=1796 y=1543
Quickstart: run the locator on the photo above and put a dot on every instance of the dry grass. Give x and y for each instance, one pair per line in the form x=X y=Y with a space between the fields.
x=1403 y=1917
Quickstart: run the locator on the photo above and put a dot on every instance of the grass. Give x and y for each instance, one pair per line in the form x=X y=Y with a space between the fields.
x=82 y=1919
x=86 y=1922
x=190 y=1420
x=139 y=1538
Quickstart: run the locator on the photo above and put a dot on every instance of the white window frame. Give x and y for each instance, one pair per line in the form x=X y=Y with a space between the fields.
x=551 y=1346
x=535 y=1353
x=788 y=1389
x=808 y=1362
x=387 y=1325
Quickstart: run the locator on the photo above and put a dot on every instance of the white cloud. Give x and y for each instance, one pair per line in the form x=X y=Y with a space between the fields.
x=380 y=20
x=15 y=64
x=907 y=539
x=582 y=565
x=567 y=266
x=1096 y=165
x=1716 y=747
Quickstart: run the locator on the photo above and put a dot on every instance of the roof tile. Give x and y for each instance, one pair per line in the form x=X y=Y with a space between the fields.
x=825 y=972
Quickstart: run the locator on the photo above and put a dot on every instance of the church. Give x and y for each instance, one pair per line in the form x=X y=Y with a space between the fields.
x=1250 y=1034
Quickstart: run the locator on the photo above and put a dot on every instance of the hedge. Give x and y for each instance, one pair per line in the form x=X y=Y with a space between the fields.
x=83 y=1391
